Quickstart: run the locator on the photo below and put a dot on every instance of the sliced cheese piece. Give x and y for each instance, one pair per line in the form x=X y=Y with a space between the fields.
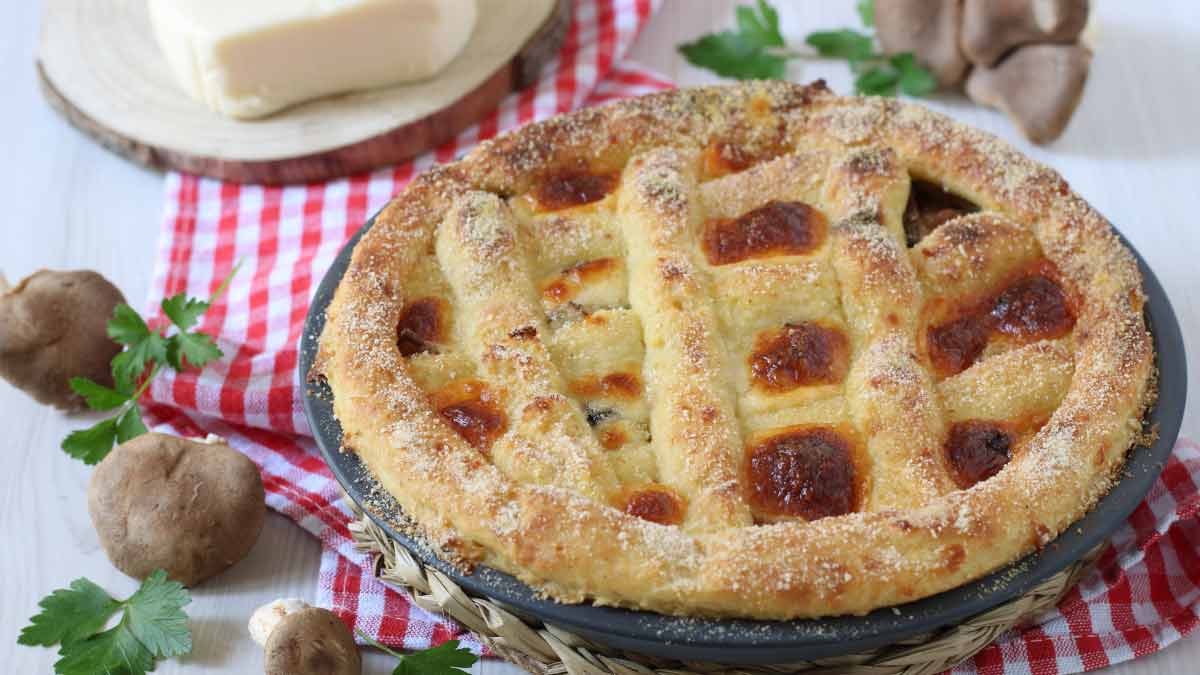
x=248 y=59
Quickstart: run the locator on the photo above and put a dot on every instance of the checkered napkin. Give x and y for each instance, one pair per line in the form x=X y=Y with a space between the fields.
x=286 y=239
x=1144 y=594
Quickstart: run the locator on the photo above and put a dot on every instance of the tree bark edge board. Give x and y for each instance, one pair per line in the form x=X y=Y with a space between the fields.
x=65 y=69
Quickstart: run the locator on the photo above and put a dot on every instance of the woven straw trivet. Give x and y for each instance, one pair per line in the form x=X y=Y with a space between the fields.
x=545 y=649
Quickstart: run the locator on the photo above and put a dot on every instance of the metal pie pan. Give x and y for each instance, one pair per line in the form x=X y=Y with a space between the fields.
x=752 y=642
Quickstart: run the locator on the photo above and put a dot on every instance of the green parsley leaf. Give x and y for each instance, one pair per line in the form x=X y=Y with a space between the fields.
x=69 y=615
x=914 y=79
x=730 y=55
x=755 y=51
x=113 y=652
x=183 y=311
x=130 y=424
x=126 y=325
x=155 y=616
x=97 y=396
x=879 y=81
x=153 y=626
x=875 y=74
x=842 y=44
x=742 y=54
x=445 y=659
x=129 y=364
x=92 y=444
x=866 y=11
x=770 y=19
x=760 y=30
x=195 y=349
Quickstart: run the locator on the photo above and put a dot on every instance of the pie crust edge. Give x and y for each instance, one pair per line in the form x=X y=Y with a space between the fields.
x=574 y=549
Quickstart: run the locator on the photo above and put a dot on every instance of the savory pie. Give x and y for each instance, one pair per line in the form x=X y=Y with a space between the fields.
x=755 y=351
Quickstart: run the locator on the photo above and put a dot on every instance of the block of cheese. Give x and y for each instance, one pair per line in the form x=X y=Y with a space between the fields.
x=250 y=58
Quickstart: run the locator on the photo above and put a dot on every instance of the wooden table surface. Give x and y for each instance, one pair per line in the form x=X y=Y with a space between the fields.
x=1133 y=150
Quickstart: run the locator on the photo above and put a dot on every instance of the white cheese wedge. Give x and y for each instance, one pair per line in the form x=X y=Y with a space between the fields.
x=250 y=58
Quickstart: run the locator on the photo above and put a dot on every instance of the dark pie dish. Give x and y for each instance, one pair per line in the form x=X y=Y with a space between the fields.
x=750 y=641
x=749 y=354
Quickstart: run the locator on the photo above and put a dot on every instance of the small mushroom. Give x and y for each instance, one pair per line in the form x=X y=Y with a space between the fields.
x=52 y=328
x=189 y=507
x=264 y=619
x=929 y=29
x=1038 y=86
x=992 y=28
x=312 y=641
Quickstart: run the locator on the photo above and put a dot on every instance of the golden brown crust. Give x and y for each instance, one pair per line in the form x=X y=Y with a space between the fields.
x=544 y=501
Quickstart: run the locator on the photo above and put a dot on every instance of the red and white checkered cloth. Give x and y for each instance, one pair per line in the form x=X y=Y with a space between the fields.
x=1144 y=594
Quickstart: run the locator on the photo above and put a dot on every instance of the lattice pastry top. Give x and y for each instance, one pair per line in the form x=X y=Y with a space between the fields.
x=755 y=351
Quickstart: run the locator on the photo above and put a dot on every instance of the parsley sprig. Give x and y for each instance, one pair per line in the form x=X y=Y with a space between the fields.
x=875 y=73
x=749 y=53
x=153 y=626
x=144 y=348
x=445 y=659
x=757 y=50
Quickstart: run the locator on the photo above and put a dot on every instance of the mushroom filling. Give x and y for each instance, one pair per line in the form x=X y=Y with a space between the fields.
x=929 y=207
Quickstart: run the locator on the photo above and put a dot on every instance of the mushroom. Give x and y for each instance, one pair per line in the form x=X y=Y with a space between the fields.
x=1038 y=86
x=991 y=28
x=312 y=641
x=264 y=619
x=927 y=28
x=53 y=326
x=189 y=507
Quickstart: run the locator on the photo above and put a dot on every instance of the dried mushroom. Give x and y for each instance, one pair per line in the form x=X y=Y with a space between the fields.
x=1024 y=57
x=53 y=328
x=191 y=508
x=992 y=28
x=929 y=29
x=1056 y=72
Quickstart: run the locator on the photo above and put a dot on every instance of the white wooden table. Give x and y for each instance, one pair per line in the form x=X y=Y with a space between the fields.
x=1133 y=149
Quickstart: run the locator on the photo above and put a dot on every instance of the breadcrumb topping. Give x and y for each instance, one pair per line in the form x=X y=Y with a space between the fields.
x=546 y=501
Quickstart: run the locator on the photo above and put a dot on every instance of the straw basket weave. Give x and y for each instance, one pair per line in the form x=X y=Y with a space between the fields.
x=545 y=649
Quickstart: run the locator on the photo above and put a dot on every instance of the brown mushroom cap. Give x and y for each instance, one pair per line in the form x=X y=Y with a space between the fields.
x=312 y=641
x=190 y=508
x=52 y=328
x=991 y=28
x=1038 y=86
x=929 y=29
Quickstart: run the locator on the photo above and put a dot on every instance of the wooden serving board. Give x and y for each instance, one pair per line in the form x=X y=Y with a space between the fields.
x=101 y=68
